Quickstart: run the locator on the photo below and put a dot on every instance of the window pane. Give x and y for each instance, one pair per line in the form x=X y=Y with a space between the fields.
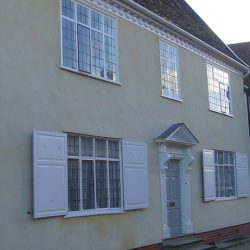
x=101 y=184
x=73 y=145
x=96 y=20
x=83 y=14
x=217 y=178
x=113 y=149
x=110 y=58
x=97 y=53
x=222 y=182
x=84 y=54
x=69 y=43
x=216 y=157
x=73 y=185
x=114 y=183
x=88 y=185
x=228 y=187
x=109 y=26
x=232 y=176
x=231 y=158
x=220 y=157
x=100 y=148
x=68 y=8
x=87 y=146
x=226 y=158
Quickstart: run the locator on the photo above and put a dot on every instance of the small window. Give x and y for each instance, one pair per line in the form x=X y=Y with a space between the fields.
x=169 y=71
x=89 y=41
x=94 y=173
x=219 y=90
x=225 y=174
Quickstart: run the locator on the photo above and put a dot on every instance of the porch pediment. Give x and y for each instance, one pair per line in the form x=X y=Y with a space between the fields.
x=178 y=134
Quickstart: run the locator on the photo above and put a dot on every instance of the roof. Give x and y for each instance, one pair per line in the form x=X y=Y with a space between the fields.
x=179 y=13
x=243 y=51
x=178 y=133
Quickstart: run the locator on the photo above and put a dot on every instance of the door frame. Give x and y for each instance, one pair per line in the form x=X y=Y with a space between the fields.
x=167 y=152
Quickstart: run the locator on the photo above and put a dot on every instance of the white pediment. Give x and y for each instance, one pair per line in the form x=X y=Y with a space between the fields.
x=178 y=134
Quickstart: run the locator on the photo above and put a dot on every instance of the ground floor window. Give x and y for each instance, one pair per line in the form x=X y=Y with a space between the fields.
x=225 y=173
x=94 y=173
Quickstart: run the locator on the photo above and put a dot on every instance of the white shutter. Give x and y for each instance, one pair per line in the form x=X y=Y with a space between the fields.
x=49 y=174
x=209 y=175
x=242 y=175
x=135 y=173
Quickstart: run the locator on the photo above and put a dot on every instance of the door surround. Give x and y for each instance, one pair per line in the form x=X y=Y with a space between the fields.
x=169 y=151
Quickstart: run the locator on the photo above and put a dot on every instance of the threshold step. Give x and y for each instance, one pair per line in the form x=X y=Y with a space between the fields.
x=200 y=247
x=180 y=242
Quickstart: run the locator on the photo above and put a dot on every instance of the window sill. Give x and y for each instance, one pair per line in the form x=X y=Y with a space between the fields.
x=171 y=98
x=226 y=198
x=93 y=213
x=89 y=75
x=221 y=113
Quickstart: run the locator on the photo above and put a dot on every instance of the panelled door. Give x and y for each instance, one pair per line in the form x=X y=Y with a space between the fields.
x=174 y=197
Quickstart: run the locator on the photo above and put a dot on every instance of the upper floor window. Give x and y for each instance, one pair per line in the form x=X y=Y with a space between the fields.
x=219 y=90
x=169 y=71
x=89 y=41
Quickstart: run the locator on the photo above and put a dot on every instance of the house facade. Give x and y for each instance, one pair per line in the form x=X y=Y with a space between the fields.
x=118 y=127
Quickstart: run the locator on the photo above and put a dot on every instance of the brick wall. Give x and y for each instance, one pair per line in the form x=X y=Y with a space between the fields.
x=211 y=236
x=225 y=233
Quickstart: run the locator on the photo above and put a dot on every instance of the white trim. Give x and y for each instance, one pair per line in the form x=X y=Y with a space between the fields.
x=163 y=29
x=93 y=213
x=226 y=198
x=215 y=111
x=171 y=98
x=89 y=75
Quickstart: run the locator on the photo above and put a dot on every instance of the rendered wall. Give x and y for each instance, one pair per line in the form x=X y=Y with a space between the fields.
x=35 y=94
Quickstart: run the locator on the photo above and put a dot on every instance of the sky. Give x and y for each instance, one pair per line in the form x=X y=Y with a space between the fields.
x=229 y=19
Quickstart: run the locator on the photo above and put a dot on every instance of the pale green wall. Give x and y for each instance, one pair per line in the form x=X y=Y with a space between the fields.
x=36 y=94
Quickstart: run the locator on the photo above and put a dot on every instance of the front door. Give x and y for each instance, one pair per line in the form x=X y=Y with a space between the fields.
x=174 y=197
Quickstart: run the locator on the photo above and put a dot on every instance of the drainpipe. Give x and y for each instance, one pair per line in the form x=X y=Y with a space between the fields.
x=246 y=74
x=247 y=91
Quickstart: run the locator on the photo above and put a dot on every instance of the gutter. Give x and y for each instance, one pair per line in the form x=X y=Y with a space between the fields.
x=162 y=21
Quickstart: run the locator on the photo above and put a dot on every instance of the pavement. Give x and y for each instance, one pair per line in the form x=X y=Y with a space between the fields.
x=245 y=246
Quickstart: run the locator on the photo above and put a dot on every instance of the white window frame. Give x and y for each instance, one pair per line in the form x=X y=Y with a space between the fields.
x=92 y=75
x=173 y=97
x=80 y=158
x=223 y=165
x=230 y=113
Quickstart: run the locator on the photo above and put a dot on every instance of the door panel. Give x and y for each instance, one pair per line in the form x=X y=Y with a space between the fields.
x=174 y=197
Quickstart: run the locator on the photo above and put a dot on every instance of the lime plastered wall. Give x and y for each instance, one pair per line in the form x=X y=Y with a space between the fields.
x=36 y=94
